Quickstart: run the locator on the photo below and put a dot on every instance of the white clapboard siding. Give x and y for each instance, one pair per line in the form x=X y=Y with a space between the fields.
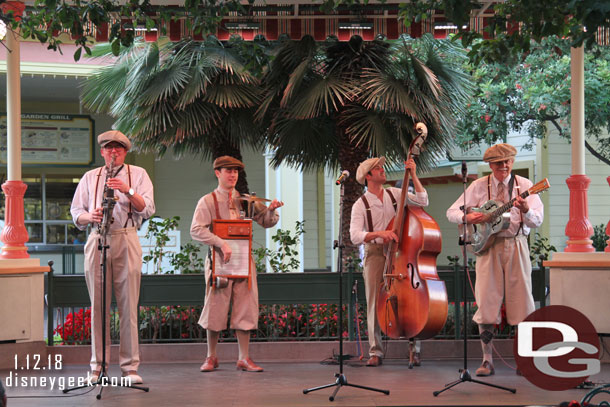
x=310 y=216
x=559 y=169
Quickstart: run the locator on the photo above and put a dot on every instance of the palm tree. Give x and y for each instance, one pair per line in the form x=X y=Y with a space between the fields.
x=187 y=96
x=337 y=103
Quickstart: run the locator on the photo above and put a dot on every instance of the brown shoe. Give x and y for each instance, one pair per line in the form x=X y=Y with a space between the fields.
x=486 y=369
x=374 y=361
x=416 y=359
x=248 y=365
x=211 y=363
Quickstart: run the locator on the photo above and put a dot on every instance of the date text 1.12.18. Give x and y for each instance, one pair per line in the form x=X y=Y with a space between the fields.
x=38 y=362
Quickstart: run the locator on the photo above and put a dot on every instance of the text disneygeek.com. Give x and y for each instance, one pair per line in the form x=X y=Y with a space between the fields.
x=16 y=380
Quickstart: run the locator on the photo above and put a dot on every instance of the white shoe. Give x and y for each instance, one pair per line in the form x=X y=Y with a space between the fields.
x=93 y=376
x=134 y=377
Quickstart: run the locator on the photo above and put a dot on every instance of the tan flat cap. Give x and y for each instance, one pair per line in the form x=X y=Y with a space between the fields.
x=366 y=166
x=499 y=152
x=226 y=161
x=114 y=135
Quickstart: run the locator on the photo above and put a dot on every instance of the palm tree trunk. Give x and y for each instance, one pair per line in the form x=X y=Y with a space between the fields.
x=350 y=156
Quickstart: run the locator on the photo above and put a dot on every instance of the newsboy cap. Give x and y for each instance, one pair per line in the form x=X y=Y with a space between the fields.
x=499 y=152
x=226 y=161
x=114 y=135
x=366 y=166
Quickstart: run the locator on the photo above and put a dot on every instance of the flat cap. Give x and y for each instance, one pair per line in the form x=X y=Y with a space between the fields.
x=499 y=152
x=226 y=161
x=366 y=166
x=113 y=135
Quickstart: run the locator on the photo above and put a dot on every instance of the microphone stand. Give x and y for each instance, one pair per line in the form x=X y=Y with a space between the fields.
x=354 y=304
x=464 y=373
x=341 y=380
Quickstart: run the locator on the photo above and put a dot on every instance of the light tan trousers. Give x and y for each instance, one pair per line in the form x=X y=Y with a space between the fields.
x=123 y=272
x=241 y=299
x=504 y=272
x=374 y=261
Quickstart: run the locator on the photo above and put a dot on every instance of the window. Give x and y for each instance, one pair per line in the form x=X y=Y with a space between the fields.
x=46 y=204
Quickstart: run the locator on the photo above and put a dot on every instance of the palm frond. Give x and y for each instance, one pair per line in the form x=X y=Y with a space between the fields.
x=112 y=79
x=290 y=55
x=142 y=65
x=426 y=76
x=185 y=96
x=322 y=95
x=295 y=80
x=351 y=57
x=381 y=91
x=304 y=144
x=232 y=96
x=366 y=127
x=156 y=86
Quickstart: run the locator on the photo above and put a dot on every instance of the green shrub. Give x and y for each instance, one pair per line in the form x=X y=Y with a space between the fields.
x=599 y=238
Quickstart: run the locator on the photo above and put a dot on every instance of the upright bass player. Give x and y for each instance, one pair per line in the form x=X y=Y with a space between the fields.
x=371 y=214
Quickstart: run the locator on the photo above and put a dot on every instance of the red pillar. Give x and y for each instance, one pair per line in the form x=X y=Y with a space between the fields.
x=579 y=229
x=14 y=235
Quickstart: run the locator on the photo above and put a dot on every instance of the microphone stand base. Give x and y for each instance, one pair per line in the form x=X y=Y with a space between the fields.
x=342 y=381
x=466 y=377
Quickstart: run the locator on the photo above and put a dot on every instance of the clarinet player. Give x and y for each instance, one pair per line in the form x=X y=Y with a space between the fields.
x=133 y=192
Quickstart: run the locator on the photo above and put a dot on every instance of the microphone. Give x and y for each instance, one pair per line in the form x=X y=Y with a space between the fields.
x=342 y=177
x=464 y=172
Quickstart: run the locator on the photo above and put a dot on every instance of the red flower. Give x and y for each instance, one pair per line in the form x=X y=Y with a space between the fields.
x=76 y=328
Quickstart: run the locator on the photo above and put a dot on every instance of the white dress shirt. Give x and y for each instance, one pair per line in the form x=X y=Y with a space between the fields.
x=381 y=212
x=84 y=196
x=477 y=195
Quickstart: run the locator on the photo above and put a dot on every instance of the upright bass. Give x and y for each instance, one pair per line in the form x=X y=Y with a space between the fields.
x=412 y=300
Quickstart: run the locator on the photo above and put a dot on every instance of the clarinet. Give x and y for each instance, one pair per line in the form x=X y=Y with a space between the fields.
x=108 y=202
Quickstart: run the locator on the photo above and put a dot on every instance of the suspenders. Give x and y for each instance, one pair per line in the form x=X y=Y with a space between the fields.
x=130 y=213
x=97 y=183
x=369 y=216
x=216 y=205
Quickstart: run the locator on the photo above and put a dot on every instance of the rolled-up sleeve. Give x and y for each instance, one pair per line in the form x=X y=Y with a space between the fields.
x=455 y=214
x=200 y=226
x=80 y=202
x=146 y=190
x=264 y=217
x=419 y=198
x=535 y=215
x=357 y=231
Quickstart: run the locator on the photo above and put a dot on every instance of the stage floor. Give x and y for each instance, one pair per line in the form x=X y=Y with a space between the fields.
x=282 y=384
